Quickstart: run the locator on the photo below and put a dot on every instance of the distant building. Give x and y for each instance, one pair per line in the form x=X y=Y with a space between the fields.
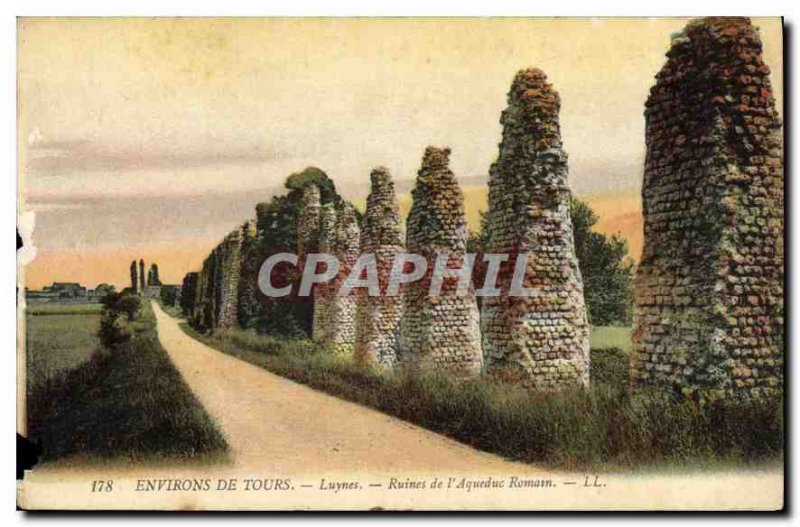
x=66 y=289
x=152 y=291
x=67 y=292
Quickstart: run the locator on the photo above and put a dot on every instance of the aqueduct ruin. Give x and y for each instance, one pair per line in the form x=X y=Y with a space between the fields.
x=709 y=287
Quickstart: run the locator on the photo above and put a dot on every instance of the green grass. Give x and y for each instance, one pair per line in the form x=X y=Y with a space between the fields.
x=605 y=427
x=64 y=309
x=173 y=311
x=127 y=402
x=605 y=337
x=57 y=343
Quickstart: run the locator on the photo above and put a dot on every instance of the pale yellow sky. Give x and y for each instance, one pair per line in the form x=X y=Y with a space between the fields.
x=189 y=109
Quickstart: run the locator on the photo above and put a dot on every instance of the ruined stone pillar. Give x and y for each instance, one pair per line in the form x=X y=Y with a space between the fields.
x=308 y=221
x=324 y=295
x=440 y=332
x=378 y=318
x=345 y=246
x=542 y=339
x=248 y=304
x=230 y=270
x=709 y=287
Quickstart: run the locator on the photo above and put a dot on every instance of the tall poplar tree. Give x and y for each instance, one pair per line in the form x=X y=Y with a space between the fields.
x=134 y=277
x=152 y=275
x=141 y=275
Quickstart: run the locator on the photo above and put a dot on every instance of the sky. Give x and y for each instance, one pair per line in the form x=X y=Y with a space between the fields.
x=153 y=138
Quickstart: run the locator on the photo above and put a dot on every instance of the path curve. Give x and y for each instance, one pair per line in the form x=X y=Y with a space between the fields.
x=272 y=422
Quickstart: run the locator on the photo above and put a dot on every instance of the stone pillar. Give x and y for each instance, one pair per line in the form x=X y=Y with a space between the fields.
x=324 y=295
x=709 y=287
x=248 y=302
x=543 y=339
x=378 y=318
x=345 y=246
x=308 y=222
x=230 y=268
x=205 y=313
x=439 y=332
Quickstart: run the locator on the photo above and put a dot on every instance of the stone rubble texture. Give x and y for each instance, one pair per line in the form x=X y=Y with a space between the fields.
x=345 y=246
x=541 y=340
x=439 y=333
x=323 y=322
x=709 y=288
x=217 y=291
x=248 y=304
x=308 y=222
x=230 y=271
x=378 y=318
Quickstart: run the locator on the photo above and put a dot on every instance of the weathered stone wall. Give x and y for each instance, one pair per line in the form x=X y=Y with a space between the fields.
x=709 y=288
x=378 y=318
x=439 y=332
x=544 y=338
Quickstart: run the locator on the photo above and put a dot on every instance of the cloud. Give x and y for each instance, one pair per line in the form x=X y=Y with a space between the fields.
x=67 y=157
x=35 y=137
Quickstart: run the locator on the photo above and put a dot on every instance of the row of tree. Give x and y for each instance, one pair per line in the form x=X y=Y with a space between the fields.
x=138 y=280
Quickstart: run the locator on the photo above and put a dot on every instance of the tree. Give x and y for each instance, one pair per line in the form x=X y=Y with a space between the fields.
x=277 y=231
x=141 y=275
x=152 y=275
x=169 y=295
x=113 y=330
x=606 y=268
x=188 y=292
x=134 y=277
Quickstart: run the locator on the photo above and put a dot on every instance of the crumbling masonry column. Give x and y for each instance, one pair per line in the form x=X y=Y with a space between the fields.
x=247 y=303
x=308 y=221
x=439 y=332
x=230 y=251
x=709 y=288
x=378 y=318
x=345 y=246
x=323 y=322
x=543 y=339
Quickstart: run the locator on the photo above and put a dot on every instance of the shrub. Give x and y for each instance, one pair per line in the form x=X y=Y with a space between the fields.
x=609 y=367
x=127 y=400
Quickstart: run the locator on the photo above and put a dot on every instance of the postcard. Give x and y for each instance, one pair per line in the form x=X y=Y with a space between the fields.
x=403 y=264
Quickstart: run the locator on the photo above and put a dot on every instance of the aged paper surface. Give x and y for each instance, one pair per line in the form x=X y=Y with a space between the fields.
x=212 y=315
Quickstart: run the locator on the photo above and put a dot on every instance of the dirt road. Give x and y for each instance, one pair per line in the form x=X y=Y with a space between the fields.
x=337 y=455
x=271 y=422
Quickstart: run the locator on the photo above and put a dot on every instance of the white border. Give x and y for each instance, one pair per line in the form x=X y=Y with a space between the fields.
x=320 y=8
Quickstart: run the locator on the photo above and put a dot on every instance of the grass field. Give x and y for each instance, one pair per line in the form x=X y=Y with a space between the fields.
x=58 y=338
x=173 y=311
x=605 y=427
x=63 y=309
x=127 y=402
x=606 y=337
